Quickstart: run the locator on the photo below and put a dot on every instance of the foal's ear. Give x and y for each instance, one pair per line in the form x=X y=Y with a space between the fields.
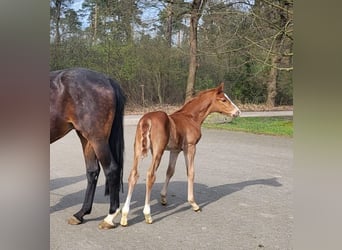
x=220 y=88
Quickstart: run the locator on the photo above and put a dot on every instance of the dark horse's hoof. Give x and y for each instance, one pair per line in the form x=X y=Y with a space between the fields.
x=105 y=225
x=74 y=221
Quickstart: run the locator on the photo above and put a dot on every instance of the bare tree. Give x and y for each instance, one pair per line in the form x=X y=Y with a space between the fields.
x=57 y=17
x=196 y=9
x=277 y=17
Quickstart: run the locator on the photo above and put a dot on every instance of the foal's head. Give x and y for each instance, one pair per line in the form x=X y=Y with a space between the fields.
x=223 y=104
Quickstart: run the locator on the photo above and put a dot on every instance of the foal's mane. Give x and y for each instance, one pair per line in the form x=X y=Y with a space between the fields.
x=194 y=100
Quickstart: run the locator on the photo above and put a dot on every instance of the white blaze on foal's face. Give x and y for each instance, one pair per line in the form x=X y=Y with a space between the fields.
x=236 y=111
x=225 y=106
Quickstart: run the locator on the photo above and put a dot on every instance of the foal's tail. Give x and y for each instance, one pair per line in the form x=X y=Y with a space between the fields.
x=145 y=130
x=152 y=125
x=116 y=138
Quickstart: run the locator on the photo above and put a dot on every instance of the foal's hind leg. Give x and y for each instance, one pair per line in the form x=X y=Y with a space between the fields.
x=169 y=173
x=93 y=170
x=150 y=179
x=132 y=181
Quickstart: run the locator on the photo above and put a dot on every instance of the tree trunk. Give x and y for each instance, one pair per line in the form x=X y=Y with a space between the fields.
x=179 y=39
x=96 y=13
x=58 y=4
x=193 y=58
x=195 y=14
x=160 y=95
x=169 y=24
x=159 y=87
x=276 y=59
x=272 y=82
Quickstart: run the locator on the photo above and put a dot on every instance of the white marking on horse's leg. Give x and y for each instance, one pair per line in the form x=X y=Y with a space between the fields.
x=147 y=213
x=110 y=217
x=125 y=210
x=147 y=209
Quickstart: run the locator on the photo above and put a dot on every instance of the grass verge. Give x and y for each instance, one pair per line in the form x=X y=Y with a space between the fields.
x=279 y=126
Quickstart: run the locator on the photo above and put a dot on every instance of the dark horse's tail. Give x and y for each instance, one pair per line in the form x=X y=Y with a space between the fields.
x=116 y=138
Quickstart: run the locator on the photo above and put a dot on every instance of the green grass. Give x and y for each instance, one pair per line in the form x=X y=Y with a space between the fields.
x=279 y=126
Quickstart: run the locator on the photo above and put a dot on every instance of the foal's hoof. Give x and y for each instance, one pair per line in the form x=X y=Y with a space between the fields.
x=123 y=221
x=148 y=218
x=163 y=200
x=194 y=206
x=198 y=209
x=74 y=221
x=105 y=225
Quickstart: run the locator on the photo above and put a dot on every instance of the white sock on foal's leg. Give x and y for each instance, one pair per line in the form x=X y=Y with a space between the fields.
x=147 y=213
x=125 y=210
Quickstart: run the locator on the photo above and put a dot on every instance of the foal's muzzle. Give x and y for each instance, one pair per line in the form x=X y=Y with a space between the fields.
x=237 y=113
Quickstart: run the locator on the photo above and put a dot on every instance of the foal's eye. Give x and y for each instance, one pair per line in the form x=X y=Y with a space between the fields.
x=224 y=100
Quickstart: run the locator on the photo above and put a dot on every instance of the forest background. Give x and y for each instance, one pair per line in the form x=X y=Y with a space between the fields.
x=162 y=52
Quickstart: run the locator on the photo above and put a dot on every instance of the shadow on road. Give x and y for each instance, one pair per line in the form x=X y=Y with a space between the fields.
x=177 y=196
x=65 y=181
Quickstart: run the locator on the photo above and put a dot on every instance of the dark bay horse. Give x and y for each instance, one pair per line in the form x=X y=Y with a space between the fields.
x=93 y=105
x=180 y=131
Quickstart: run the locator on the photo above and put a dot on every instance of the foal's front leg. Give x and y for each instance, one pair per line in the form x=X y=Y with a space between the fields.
x=189 y=154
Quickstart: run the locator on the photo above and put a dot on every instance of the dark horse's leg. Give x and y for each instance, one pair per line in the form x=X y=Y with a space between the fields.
x=93 y=170
x=112 y=173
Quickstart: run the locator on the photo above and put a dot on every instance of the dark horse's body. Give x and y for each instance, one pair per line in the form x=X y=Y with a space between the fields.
x=93 y=105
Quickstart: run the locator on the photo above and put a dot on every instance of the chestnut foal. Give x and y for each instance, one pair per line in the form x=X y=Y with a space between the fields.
x=180 y=131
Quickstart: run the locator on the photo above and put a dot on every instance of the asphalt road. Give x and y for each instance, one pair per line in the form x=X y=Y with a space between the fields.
x=243 y=183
